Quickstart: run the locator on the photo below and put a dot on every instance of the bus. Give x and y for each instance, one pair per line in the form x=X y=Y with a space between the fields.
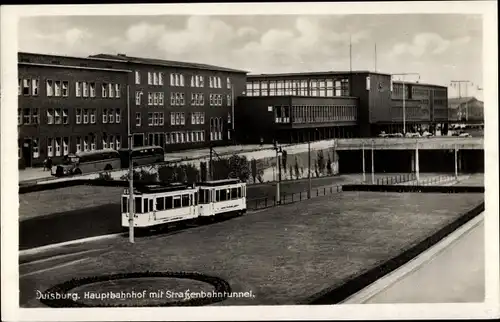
x=142 y=155
x=88 y=162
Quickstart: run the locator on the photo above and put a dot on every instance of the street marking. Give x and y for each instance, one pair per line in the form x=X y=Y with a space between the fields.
x=392 y=278
x=55 y=267
x=37 y=250
x=48 y=259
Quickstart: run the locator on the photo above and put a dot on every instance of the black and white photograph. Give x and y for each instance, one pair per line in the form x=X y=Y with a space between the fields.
x=250 y=161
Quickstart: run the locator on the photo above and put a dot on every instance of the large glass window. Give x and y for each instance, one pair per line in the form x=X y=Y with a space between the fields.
x=138 y=205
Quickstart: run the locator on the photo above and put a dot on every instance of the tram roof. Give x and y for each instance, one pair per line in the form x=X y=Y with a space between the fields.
x=158 y=188
x=218 y=182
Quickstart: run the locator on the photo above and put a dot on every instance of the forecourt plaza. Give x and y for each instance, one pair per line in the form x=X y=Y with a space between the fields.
x=282 y=255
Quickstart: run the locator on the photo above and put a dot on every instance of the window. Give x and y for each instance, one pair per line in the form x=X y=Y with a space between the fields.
x=65 y=146
x=172 y=118
x=172 y=98
x=150 y=79
x=78 y=89
x=104 y=89
x=92 y=143
x=228 y=117
x=85 y=116
x=85 y=89
x=118 y=115
x=138 y=95
x=104 y=142
x=50 y=148
x=117 y=91
x=65 y=116
x=92 y=89
x=153 y=119
x=118 y=142
x=50 y=88
x=160 y=79
x=228 y=82
x=65 y=89
x=155 y=78
x=111 y=142
x=111 y=90
x=181 y=80
x=78 y=116
x=27 y=116
x=26 y=86
x=160 y=98
x=150 y=98
x=137 y=77
x=182 y=119
x=34 y=148
x=229 y=102
x=137 y=119
x=161 y=119
x=35 y=86
x=111 y=116
x=78 y=144
x=57 y=116
x=181 y=99
x=35 y=117
x=155 y=99
x=105 y=116
x=19 y=83
x=92 y=116
x=57 y=88
x=202 y=118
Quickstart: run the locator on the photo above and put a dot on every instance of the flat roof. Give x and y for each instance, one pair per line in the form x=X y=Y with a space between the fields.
x=218 y=182
x=167 y=63
x=418 y=83
x=296 y=96
x=322 y=73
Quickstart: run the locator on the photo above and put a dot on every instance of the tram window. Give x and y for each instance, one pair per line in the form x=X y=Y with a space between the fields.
x=217 y=195
x=169 y=203
x=234 y=193
x=202 y=196
x=185 y=200
x=177 y=202
x=224 y=194
x=160 y=203
x=124 y=204
x=146 y=208
x=239 y=192
x=195 y=198
x=138 y=205
x=151 y=205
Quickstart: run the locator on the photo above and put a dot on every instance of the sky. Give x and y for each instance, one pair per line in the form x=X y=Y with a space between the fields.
x=439 y=47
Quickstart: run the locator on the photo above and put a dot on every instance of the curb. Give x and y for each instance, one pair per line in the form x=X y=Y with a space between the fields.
x=40 y=249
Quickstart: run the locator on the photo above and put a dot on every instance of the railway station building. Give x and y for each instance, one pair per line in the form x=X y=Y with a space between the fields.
x=297 y=107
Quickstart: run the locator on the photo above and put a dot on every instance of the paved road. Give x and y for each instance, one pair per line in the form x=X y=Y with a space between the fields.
x=454 y=275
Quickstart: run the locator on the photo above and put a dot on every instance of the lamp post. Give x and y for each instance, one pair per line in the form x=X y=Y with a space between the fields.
x=131 y=212
x=279 y=152
x=404 y=91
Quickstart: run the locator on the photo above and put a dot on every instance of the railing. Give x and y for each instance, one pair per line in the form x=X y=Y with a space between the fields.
x=288 y=198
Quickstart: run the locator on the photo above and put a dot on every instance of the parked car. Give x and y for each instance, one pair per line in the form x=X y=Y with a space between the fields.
x=465 y=135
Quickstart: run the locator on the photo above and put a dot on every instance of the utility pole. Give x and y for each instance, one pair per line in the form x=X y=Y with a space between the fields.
x=232 y=110
x=404 y=98
x=375 y=57
x=278 y=163
x=309 y=191
x=454 y=83
x=210 y=166
x=131 y=212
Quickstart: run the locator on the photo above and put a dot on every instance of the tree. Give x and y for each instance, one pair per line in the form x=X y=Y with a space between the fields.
x=329 y=169
x=254 y=169
x=297 y=170
x=167 y=174
x=283 y=160
x=238 y=166
x=321 y=162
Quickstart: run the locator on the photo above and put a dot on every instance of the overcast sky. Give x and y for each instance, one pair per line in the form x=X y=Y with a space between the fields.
x=439 y=47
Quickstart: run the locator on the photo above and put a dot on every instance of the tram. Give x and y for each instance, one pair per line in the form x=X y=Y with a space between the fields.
x=159 y=204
